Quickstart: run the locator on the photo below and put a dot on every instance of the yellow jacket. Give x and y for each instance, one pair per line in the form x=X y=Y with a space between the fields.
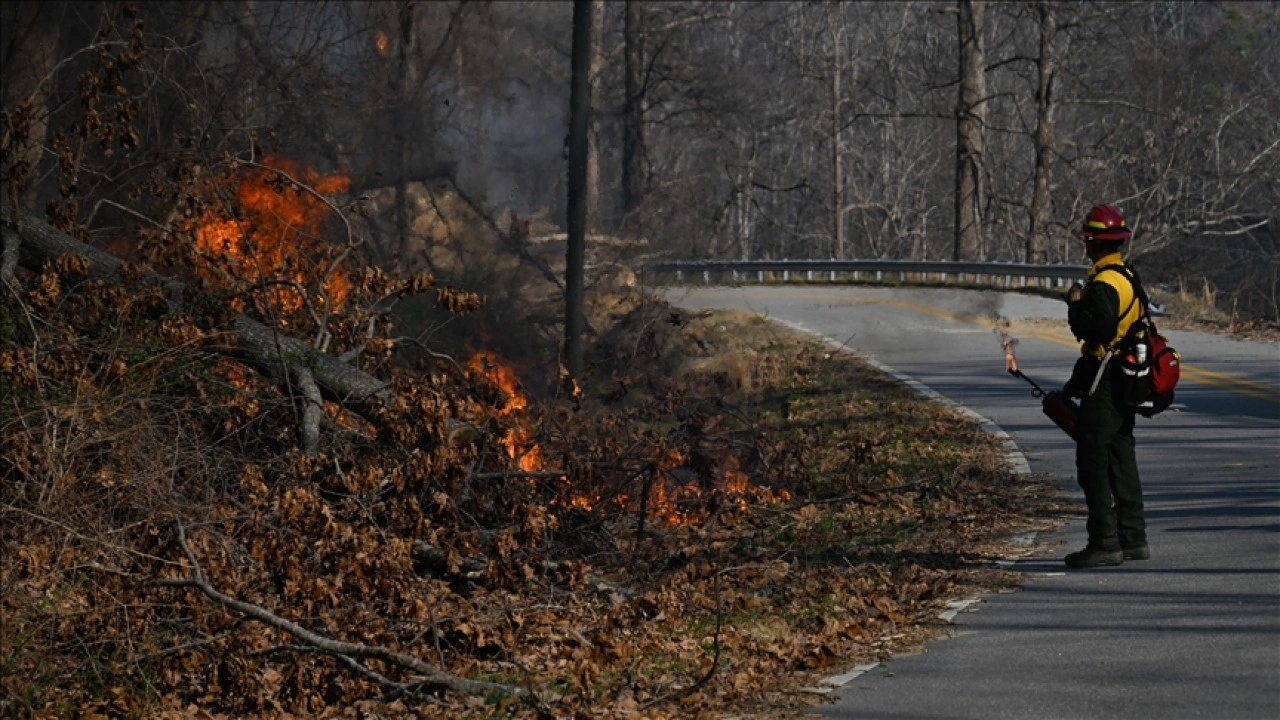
x=1106 y=309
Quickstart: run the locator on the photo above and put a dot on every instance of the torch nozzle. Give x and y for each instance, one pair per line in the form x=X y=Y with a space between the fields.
x=1036 y=389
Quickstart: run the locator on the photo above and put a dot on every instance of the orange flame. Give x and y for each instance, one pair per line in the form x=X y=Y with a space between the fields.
x=581 y=502
x=275 y=234
x=517 y=441
x=487 y=365
x=521 y=448
x=671 y=498
x=381 y=42
x=679 y=503
x=235 y=373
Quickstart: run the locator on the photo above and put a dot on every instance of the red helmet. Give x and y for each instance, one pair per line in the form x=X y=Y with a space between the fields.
x=1104 y=223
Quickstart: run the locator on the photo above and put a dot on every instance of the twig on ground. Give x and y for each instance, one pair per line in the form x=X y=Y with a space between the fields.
x=431 y=676
x=397 y=689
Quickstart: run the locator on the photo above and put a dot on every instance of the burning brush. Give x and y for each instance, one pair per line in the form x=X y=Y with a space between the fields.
x=1059 y=408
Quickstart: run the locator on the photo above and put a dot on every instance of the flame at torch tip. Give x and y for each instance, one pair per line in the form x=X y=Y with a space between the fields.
x=1010 y=361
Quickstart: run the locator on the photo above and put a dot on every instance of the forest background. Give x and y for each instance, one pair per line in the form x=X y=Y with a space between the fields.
x=720 y=130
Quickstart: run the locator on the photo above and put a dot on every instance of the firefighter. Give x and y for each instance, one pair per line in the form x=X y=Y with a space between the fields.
x=1099 y=314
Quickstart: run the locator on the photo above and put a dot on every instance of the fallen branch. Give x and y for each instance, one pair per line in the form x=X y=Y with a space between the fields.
x=397 y=689
x=438 y=560
x=8 y=254
x=432 y=677
x=42 y=243
x=312 y=409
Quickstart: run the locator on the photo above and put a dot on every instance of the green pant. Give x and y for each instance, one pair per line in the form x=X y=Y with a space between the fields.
x=1107 y=468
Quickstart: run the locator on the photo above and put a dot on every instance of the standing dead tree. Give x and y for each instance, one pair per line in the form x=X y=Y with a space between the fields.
x=971 y=121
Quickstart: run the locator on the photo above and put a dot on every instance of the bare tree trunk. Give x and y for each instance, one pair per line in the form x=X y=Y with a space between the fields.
x=403 y=88
x=597 y=83
x=32 y=45
x=633 y=141
x=971 y=121
x=1041 y=194
x=579 y=122
x=837 y=146
x=744 y=223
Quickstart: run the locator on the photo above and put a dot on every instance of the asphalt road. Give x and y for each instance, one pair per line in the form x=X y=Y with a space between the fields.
x=1194 y=632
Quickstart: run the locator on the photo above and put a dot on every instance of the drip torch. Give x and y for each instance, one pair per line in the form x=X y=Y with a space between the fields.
x=1062 y=410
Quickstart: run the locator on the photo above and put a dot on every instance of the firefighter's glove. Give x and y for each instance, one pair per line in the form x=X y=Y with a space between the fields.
x=1075 y=292
x=1081 y=377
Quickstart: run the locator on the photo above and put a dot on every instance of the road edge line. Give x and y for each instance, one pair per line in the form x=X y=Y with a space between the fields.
x=1012 y=453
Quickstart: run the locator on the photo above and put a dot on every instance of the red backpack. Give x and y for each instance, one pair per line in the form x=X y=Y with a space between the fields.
x=1150 y=365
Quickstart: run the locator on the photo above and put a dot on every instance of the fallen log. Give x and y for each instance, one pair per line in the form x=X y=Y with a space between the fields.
x=282 y=355
x=38 y=243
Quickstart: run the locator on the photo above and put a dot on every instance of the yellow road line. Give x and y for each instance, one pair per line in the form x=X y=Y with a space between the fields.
x=1193 y=373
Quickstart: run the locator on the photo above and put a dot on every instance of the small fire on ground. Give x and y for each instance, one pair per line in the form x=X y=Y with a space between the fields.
x=518 y=441
x=674 y=501
x=685 y=503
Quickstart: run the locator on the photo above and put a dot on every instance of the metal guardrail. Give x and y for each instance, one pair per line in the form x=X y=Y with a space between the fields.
x=987 y=274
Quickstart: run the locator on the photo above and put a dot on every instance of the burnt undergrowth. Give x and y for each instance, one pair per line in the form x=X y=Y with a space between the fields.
x=722 y=509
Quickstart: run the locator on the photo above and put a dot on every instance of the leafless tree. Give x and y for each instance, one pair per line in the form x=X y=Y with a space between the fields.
x=579 y=131
x=911 y=129
x=971 y=122
x=1045 y=135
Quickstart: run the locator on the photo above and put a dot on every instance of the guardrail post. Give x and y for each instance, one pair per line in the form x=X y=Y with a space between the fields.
x=679 y=276
x=706 y=277
x=786 y=275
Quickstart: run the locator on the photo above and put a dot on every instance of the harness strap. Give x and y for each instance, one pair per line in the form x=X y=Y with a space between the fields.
x=1097 y=377
x=1139 y=294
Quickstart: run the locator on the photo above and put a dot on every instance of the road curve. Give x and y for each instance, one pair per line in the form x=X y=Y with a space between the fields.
x=1194 y=632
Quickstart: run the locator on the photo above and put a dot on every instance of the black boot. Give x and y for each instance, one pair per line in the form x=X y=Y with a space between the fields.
x=1093 y=556
x=1137 y=552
